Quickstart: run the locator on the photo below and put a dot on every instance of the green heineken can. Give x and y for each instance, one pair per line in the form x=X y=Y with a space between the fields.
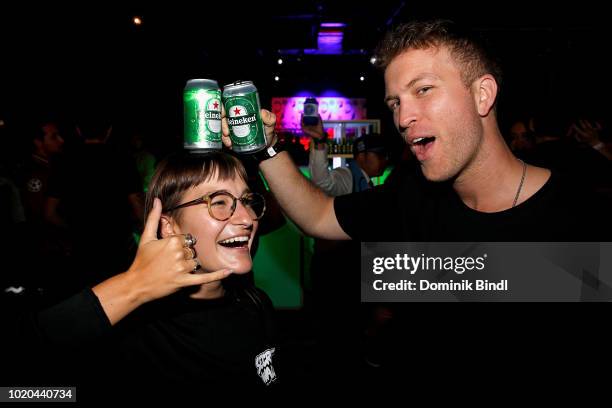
x=202 y=115
x=242 y=110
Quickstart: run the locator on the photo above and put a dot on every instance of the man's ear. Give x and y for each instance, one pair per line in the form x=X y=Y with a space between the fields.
x=485 y=93
x=167 y=227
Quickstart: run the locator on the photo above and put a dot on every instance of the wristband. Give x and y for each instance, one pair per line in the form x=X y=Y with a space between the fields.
x=268 y=152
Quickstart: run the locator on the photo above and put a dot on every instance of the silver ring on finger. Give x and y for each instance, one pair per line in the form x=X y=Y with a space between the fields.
x=189 y=253
x=189 y=240
x=197 y=264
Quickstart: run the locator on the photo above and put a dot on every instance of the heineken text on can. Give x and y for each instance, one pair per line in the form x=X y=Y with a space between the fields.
x=242 y=109
x=202 y=120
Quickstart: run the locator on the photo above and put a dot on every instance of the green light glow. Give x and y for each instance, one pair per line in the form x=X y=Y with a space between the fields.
x=201 y=95
x=381 y=179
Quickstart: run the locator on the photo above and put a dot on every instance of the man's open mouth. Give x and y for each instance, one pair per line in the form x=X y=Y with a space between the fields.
x=423 y=141
x=422 y=147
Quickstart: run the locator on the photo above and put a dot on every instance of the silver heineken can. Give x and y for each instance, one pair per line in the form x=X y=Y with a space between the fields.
x=202 y=115
x=242 y=109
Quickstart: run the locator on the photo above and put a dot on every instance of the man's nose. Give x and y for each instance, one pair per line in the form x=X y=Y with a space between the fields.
x=407 y=115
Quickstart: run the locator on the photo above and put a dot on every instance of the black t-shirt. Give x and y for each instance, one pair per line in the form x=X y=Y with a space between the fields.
x=34 y=183
x=187 y=344
x=577 y=162
x=413 y=209
x=422 y=337
x=173 y=348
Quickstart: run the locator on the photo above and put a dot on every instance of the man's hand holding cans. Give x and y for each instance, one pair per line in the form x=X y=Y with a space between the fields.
x=246 y=127
x=268 y=119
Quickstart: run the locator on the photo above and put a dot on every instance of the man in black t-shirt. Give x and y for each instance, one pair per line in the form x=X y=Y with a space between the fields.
x=468 y=186
x=45 y=244
x=441 y=88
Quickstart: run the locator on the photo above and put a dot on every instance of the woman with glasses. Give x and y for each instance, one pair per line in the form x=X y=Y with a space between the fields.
x=180 y=322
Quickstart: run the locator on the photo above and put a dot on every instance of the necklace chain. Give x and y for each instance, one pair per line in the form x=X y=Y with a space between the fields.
x=518 y=192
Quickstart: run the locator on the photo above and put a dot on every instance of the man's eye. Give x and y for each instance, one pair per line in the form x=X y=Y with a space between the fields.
x=393 y=105
x=424 y=90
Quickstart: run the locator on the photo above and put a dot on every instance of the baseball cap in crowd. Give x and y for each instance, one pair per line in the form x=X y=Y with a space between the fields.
x=371 y=142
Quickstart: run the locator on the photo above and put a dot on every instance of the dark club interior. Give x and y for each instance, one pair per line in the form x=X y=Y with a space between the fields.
x=93 y=127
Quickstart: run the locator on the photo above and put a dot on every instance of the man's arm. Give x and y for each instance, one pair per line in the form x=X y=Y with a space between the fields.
x=334 y=183
x=306 y=205
x=310 y=208
x=589 y=132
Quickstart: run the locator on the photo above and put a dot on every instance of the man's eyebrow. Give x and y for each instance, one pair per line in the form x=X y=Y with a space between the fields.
x=411 y=84
x=390 y=98
x=420 y=78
